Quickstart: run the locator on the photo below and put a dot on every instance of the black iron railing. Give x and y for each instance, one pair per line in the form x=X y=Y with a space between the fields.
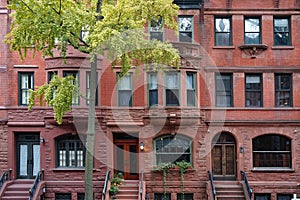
x=213 y=190
x=107 y=177
x=6 y=176
x=245 y=179
x=39 y=177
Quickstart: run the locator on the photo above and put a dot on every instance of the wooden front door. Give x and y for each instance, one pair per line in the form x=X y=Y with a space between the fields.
x=28 y=155
x=224 y=159
x=126 y=158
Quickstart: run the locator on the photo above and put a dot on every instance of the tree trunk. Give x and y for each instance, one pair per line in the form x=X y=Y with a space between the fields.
x=89 y=160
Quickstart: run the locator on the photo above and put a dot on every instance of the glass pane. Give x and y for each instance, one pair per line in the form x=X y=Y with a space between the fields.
x=63 y=197
x=190 y=84
x=181 y=196
x=156 y=25
x=191 y=96
x=217 y=160
x=158 y=196
x=36 y=159
x=283 y=98
x=262 y=197
x=252 y=25
x=281 y=39
x=157 y=35
x=185 y=36
x=23 y=159
x=25 y=96
x=120 y=158
x=25 y=81
x=281 y=25
x=222 y=25
x=284 y=197
x=124 y=98
x=252 y=38
x=185 y=24
x=253 y=99
x=62 y=158
x=152 y=81
x=153 y=97
x=172 y=97
x=172 y=81
x=223 y=39
x=133 y=160
x=124 y=83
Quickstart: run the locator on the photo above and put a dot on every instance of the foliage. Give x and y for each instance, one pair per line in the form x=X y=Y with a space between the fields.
x=116 y=181
x=183 y=167
x=164 y=167
x=57 y=93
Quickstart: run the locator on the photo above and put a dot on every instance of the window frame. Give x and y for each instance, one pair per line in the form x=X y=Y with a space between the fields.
x=270 y=152
x=168 y=90
x=87 y=87
x=192 y=28
x=278 y=90
x=170 y=138
x=249 y=32
x=289 y=41
x=187 y=196
x=67 y=139
x=77 y=77
x=30 y=80
x=220 y=91
x=223 y=32
x=160 y=31
x=130 y=103
x=193 y=89
x=254 y=90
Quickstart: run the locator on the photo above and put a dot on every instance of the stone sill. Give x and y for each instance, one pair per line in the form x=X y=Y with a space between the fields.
x=63 y=169
x=275 y=170
x=223 y=47
x=283 y=47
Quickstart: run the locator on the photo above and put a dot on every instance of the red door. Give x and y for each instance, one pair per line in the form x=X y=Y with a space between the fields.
x=126 y=158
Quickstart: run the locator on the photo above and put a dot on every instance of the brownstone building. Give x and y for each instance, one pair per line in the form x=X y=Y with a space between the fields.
x=232 y=109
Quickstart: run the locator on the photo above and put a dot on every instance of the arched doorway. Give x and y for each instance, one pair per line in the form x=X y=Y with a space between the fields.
x=224 y=157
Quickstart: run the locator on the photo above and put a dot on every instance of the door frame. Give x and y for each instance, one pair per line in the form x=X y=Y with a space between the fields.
x=127 y=143
x=220 y=141
x=30 y=142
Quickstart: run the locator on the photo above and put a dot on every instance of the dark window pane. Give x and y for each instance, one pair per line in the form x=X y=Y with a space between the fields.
x=125 y=98
x=284 y=197
x=25 y=83
x=62 y=196
x=153 y=97
x=172 y=97
x=159 y=196
x=185 y=196
x=281 y=32
x=253 y=91
x=185 y=37
x=223 y=39
x=252 y=38
x=262 y=197
x=272 y=151
x=156 y=29
x=283 y=90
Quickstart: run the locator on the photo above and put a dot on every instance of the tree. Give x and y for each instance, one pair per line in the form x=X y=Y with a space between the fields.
x=45 y=25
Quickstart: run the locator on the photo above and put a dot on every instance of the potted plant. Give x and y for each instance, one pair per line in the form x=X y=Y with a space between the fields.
x=116 y=181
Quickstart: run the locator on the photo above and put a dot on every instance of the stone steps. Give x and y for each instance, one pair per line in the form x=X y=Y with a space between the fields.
x=19 y=190
x=129 y=190
x=229 y=190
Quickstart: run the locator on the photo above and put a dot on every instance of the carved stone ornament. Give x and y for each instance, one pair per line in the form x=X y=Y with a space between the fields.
x=253 y=50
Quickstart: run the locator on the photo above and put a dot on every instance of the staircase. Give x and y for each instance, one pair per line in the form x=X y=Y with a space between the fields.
x=229 y=190
x=18 y=190
x=129 y=190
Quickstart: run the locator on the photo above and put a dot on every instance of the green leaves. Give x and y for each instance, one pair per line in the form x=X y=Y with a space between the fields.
x=58 y=94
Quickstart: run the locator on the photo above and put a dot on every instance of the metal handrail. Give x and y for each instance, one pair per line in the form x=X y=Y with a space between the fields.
x=105 y=184
x=39 y=177
x=244 y=177
x=212 y=185
x=141 y=186
x=6 y=176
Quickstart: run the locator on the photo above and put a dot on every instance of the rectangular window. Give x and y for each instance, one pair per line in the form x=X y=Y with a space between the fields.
x=284 y=196
x=160 y=196
x=25 y=80
x=125 y=90
x=283 y=90
x=252 y=31
x=282 y=36
x=262 y=197
x=75 y=74
x=172 y=89
x=63 y=196
x=156 y=29
x=224 y=90
x=88 y=88
x=185 y=27
x=185 y=196
x=191 y=89
x=50 y=76
x=253 y=90
x=153 y=89
x=223 y=31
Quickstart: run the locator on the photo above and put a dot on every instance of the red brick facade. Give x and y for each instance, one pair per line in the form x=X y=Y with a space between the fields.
x=200 y=123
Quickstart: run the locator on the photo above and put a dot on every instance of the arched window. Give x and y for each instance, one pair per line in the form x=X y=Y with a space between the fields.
x=70 y=151
x=272 y=151
x=172 y=148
